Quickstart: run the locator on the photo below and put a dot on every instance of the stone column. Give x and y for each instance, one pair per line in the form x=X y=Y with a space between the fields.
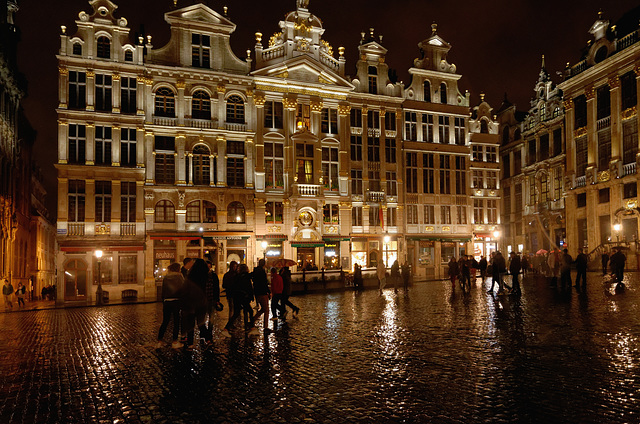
x=91 y=89
x=90 y=144
x=222 y=162
x=140 y=95
x=180 y=103
x=63 y=205
x=289 y=104
x=211 y=174
x=180 y=160
x=616 y=123
x=139 y=204
x=344 y=162
x=316 y=107
x=63 y=87
x=569 y=141
x=90 y=205
x=221 y=106
x=115 y=93
x=116 y=191
x=259 y=101
x=249 y=163
x=190 y=175
x=365 y=155
x=150 y=157
x=140 y=147
x=148 y=107
x=592 y=141
x=637 y=71
x=63 y=143
x=116 y=154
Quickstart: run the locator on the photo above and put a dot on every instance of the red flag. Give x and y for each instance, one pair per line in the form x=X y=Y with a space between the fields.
x=381 y=217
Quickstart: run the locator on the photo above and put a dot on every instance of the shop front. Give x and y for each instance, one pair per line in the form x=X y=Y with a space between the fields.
x=332 y=252
x=483 y=245
x=307 y=254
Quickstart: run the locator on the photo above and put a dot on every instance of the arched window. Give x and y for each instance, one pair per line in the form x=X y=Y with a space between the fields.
x=165 y=212
x=77 y=49
x=128 y=56
x=201 y=105
x=443 y=93
x=427 y=91
x=235 y=213
x=235 y=110
x=516 y=134
x=104 y=48
x=201 y=165
x=201 y=211
x=505 y=135
x=484 y=127
x=209 y=212
x=165 y=103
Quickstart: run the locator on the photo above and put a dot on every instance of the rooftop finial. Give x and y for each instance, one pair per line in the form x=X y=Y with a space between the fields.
x=542 y=61
x=482 y=97
x=434 y=28
x=303 y=4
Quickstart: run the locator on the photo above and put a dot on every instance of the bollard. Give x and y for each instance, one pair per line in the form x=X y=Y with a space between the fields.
x=324 y=280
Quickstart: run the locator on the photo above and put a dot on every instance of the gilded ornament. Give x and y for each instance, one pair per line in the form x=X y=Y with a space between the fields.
x=181 y=85
x=90 y=73
x=63 y=70
x=629 y=113
x=316 y=106
x=221 y=88
x=589 y=92
x=614 y=81
x=344 y=109
x=115 y=77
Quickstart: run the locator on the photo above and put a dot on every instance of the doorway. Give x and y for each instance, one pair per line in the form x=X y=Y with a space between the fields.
x=75 y=280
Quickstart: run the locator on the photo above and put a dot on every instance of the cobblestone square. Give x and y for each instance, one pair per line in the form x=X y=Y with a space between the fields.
x=426 y=355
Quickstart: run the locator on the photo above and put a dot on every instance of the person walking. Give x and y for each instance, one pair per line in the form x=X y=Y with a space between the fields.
x=454 y=270
x=212 y=291
x=187 y=263
x=262 y=294
x=20 y=292
x=358 y=281
x=605 y=262
x=395 y=275
x=514 y=269
x=278 y=309
x=525 y=264
x=498 y=269
x=581 y=267
x=382 y=276
x=406 y=275
x=482 y=265
x=7 y=291
x=285 y=273
x=193 y=303
x=171 y=284
x=465 y=272
x=618 y=261
x=554 y=266
x=242 y=293
x=565 y=269
x=229 y=284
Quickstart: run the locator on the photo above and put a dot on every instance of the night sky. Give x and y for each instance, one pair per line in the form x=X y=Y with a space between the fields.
x=497 y=46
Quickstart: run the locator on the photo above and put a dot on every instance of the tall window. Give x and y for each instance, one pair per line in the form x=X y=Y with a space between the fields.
x=629 y=92
x=76 y=199
x=303 y=116
x=544 y=147
x=128 y=56
x=128 y=94
x=492 y=180
x=532 y=152
x=273 y=114
x=164 y=212
x=506 y=166
x=103 y=50
x=557 y=183
x=411 y=126
x=426 y=91
x=356 y=148
x=356 y=118
x=373 y=149
x=445 y=214
x=411 y=173
x=604 y=148
x=484 y=127
x=445 y=174
x=518 y=196
x=77 y=49
x=478 y=211
x=304 y=163
x=629 y=140
x=235 y=213
x=443 y=129
x=235 y=110
x=128 y=147
x=201 y=105
x=330 y=168
x=459 y=131
x=517 y=161
x=128 y=201
x=392 y=216
x=390 y=150
x=544 y=188
x=443 y=93
x=603 y=99
x=581 y=156
x=329 y=121
x=557 y=142
x=461 y=175
x=392 y=184
x=412 y=214
x=201 y=165
x=429 y=214
x=201 y=211
x=356 y=181
x=235 y=171
x=492 y=211
x=330 y=213
x=390 y=121
x=356 y=216
x=165 y=103
x=373 y=119
x=274 y=163
x=374 y=180
x=373 y=80
x=461 y=215
x=103 y=145
x=103 y=93
x=77 y=143
x=477 y=179
x=427 y=128
x=492 y=154
x=580 y=111
x=200 y=51
x=477 y=153
x=374 y=216
x=103 y=201
x=428 y=173
x=506 y=194
x=165 y=160
x=543 y=112
x=273 y=213
x=533 y=194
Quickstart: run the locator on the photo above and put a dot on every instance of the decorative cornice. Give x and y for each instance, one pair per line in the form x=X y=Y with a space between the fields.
x=259 y=100
x=568 y=104
x=316 y=106
x=614 y=81
x=290 y=103
x=344 y=109
x=62 y=70
x=589 y=92
x=115 y=77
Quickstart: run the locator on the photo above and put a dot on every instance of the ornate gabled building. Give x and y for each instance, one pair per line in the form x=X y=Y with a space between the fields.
x=601 y=119
x=484 y=170
x=188 y=151
x=543 y=167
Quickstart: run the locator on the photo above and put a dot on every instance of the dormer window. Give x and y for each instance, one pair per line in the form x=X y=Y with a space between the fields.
x=543 y=112
x=77 y=49
x=104 y=47
x=128 y=56
x=373 y=80
x=200 y=51
x=427 y=91
x=443 y=93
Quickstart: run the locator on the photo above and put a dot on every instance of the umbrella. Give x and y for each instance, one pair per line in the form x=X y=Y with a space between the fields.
x=281 y=263
x=541 y=252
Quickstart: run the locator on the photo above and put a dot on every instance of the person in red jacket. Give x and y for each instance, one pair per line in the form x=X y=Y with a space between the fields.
x=276 y=295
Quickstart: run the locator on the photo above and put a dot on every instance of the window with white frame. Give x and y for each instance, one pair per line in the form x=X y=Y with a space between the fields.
x=304 y=163
x=200 y=51
x=128 y=201
x=128 y=95
x=77 y=144
x=356 y=118
x=128 y=150
x=273 y=213
x=429 y=214
x=443 y=129
x=330 y=213
x=103 y=145
x=356 y=148
x=274 y=163
x=462 y=214
x=492 y=154
x=445 y=174
x=103 y=201
x=390 y=121
x=373 y=149
x=235 y=110
x=356 y=216
x=77 y=90
x=201 y=165
x=428 y=173
x=427 y=128
x=103 y=93
x=76 y=200
x=165 y=103
x=273 y=114
x=445 y=215
x=477 y=155
x=392 y=184
x=412 y=214
x=411 y=179
x=330 y=168
x=477 y=179
x=392 y=216
x=201 y=105
x=411 y=126
x=329 y=121
x=459 y=130
x=390 y=150
x=478 y=211
x=492 y=211
x=103 y=47
x=492 y=179
x=356 y=181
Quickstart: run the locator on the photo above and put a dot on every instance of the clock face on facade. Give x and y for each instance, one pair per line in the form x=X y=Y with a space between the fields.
x=305 y=218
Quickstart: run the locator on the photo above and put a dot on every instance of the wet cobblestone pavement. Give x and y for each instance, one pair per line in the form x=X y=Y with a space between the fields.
x=428 y=355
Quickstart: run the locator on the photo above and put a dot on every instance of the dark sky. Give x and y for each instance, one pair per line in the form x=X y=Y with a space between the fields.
x=497 y=45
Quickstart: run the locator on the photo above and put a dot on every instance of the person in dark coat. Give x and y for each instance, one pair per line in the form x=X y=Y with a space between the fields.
x=262 y=293
x=193 y=303
x=358 y=281
x=212 y=290
x=229 y=284
x=171 y=285
x=581 y=267
x=525 y=264
x=395 y=275
x=465 y=272
x=454 y=270
x=605 y=262
x=565 y=268
x=187 y=263
x=618 y=261
x=243 y=296
x=482 y=265
x=406 y=275
x=514 y=269
x=285 y=273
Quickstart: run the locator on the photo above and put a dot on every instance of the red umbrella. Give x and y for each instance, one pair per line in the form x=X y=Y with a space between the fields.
x=281 y=263
x=541 y=252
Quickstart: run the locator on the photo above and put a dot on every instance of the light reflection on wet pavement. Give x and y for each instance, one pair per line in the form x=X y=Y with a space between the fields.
x=429 y=355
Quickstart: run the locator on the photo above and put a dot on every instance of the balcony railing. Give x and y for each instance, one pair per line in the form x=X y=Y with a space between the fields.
x=229 y=126
x=581 y=181
x=200 y=123
x=604 y=123
x=375 y=196
x=127 y=229
x=75 y=229
x=628 y=169
x=273 y=52
x=627 y=41
x=309 y=190
x=167 y=122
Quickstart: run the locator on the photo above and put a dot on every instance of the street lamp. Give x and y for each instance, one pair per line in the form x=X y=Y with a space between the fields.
x=496 y=235
x=264 y=249
x=98 y=254
x=386 y=249
x=617 y=227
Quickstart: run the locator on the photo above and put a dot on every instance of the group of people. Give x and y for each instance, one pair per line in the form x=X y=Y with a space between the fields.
x=395 y=275
x=8 y=292
x=616 y=262
x=465 y=270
